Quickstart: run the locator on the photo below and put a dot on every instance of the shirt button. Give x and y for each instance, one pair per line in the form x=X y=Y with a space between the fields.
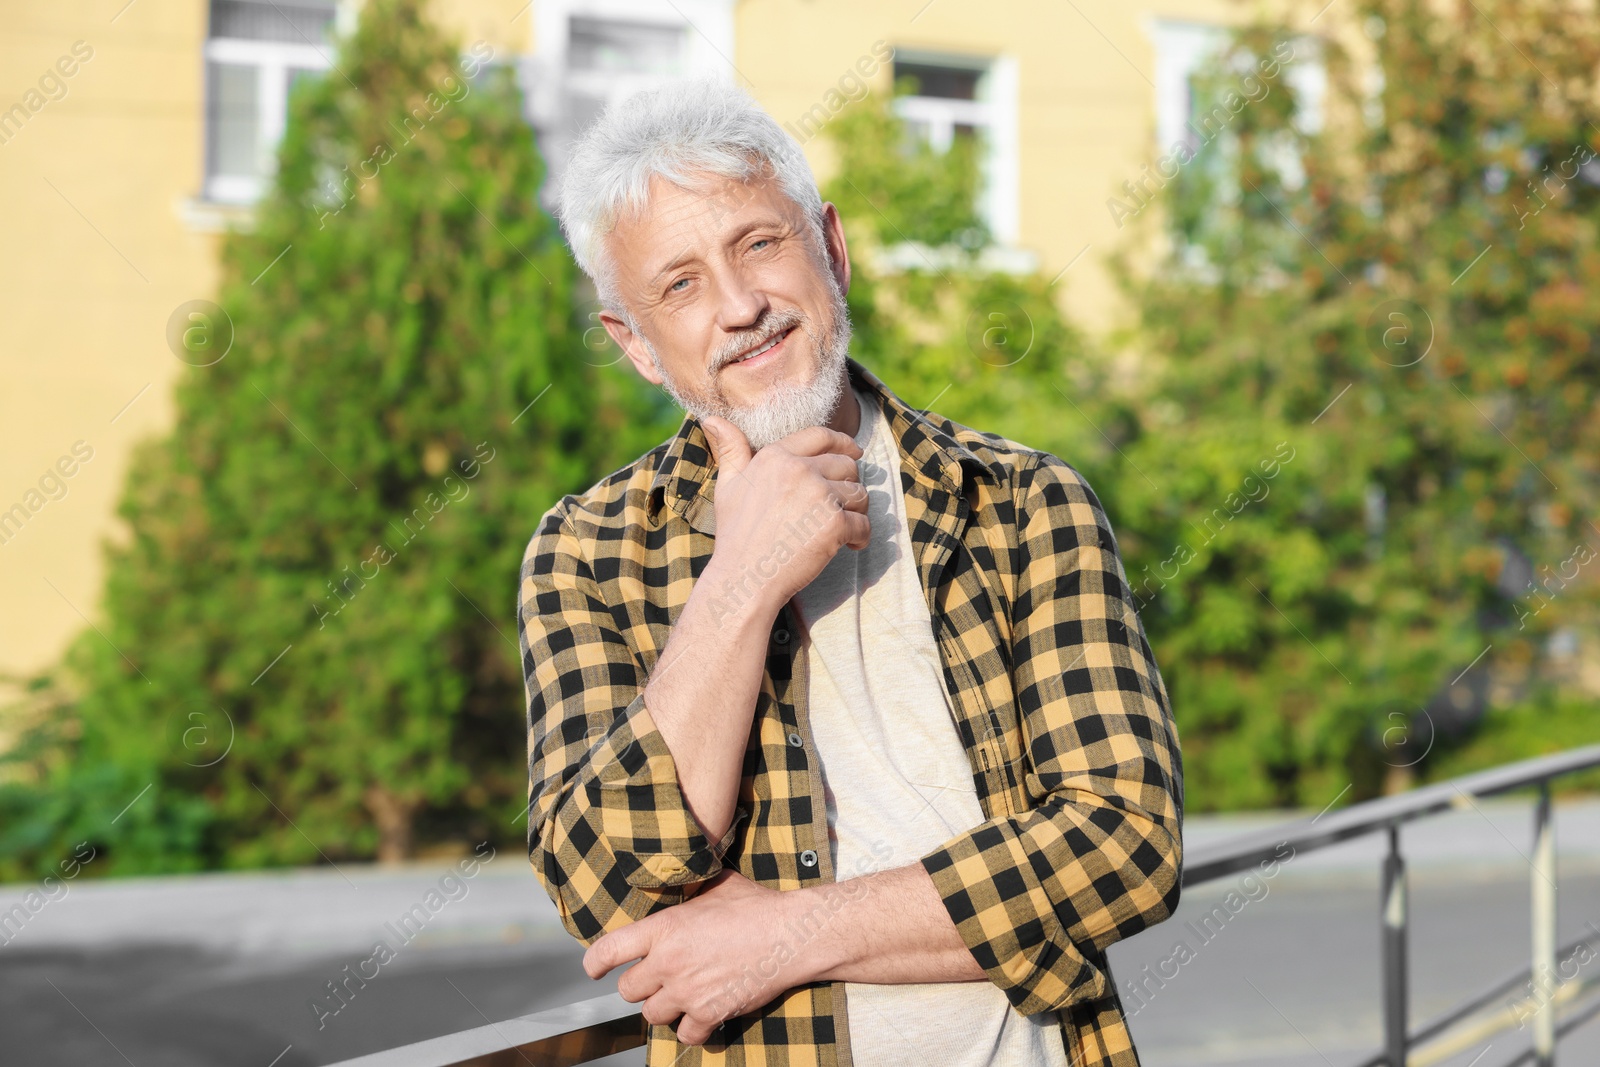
x=795 y=741
x=808 y=858
x=780 y=637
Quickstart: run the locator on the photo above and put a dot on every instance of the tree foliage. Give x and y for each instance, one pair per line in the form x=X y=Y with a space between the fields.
x=898 y=186
x=1380 y=296
x=1348 y=458
x=1347 y=440
x=308 y=651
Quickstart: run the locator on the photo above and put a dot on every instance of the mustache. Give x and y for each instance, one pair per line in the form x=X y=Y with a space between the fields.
x=776 y=323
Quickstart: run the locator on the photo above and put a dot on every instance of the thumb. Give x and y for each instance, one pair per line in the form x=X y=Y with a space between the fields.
x=728 y=443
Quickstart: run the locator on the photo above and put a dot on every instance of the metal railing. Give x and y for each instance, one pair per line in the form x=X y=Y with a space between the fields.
x=1386 y=815
x=591 y=1029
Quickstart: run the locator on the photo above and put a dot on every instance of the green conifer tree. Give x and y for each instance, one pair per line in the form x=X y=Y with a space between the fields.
x=308 y=650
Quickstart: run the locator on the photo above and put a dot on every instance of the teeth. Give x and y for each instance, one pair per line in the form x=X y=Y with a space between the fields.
x=762 y=349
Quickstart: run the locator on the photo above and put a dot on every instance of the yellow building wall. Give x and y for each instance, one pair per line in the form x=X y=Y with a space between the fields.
x=103 y=242
x=503 y=23
x=95 y=261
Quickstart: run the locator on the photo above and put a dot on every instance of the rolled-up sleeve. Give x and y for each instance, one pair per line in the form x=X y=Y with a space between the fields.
x=610 y=835
x=1038 y=896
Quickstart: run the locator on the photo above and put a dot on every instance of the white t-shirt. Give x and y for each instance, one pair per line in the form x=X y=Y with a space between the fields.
x=895 y=775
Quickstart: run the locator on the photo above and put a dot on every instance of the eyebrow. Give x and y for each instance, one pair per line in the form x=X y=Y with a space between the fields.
x=771 y=221
x=687 y=257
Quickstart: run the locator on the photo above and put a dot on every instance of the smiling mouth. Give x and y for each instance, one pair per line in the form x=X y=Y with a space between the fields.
x=762 y=349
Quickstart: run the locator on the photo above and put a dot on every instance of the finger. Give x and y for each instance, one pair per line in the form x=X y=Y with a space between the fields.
x=694 y=1030
x=858 y=530
x=835 y=467
x=856 y=525
x=729 y=446
x=852 y=496
x=639 y=982
x=618 y=947
x=815 y=440
x=660 y=1010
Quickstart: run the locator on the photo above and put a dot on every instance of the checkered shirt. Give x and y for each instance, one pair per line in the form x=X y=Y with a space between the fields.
x=1056 y=697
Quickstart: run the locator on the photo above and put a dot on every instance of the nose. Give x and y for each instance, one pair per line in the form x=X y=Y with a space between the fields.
x=740 y=305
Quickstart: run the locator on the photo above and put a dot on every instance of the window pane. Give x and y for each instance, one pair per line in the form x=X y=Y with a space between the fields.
x=292 y=21
x=946 y=83
x=232 y=120
x=625 y=47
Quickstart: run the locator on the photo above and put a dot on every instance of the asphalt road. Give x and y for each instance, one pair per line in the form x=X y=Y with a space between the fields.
x=222 y=970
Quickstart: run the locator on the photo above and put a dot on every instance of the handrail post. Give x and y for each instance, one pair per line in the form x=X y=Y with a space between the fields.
x=1544 y=931
x=1394 y=952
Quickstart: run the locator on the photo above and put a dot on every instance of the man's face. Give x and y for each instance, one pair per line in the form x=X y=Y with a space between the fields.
x=738 y=313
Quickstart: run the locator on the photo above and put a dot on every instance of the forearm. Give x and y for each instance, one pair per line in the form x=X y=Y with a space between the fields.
x=702 y=695
x=891 y=928
x=737 y=945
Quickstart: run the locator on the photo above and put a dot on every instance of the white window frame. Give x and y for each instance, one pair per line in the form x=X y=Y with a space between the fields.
x=272 y=60
x=707 y=30
x=995 y=113
x=1183 y=47
x=707 y=27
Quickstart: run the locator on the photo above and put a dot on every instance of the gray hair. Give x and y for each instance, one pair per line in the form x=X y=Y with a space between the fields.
x=678 y=132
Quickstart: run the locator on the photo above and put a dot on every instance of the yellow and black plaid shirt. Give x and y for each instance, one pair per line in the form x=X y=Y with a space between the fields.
x=1057 y=700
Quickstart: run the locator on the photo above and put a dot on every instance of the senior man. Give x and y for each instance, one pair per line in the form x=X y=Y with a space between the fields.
x=842 y=727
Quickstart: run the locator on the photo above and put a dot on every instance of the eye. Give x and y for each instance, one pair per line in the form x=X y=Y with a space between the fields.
x=756 y=245
x=677 y=286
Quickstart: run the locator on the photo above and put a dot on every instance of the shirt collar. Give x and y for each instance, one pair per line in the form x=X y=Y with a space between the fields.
x=932 y=455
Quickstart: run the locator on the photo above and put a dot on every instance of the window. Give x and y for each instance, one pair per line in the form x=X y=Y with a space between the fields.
x=256 y=51
x=612 y=59
x=1196 y=146
x=600 y=47
x=966 y=97
x=590 y=53
x=1183 y=49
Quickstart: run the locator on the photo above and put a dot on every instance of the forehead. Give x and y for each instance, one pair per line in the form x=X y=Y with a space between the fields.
x=677 y=220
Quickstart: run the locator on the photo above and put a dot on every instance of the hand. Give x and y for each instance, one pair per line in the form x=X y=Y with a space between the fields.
x=785 y=511
x=715 y=956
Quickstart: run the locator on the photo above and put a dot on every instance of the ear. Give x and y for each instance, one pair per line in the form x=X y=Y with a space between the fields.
x=838 y=252
x=632 y=346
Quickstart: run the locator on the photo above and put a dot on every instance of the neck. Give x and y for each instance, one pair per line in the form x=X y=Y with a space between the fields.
x=846 y=416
